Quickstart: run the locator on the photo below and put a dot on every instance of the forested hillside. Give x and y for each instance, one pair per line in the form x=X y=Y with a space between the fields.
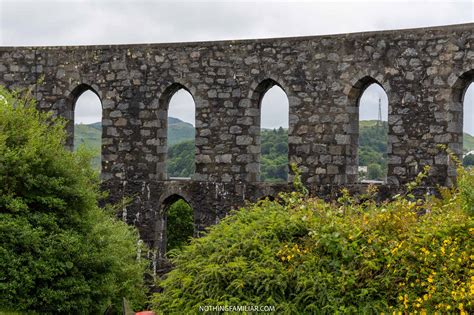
x=179 y=131
x=274 y=158
x=468 y=142
x=274 y=166
x=373 y=149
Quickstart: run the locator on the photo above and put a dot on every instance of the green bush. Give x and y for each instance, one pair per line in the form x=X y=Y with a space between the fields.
x=179 y=224
x=468 y=160
x=374 y=171
x=303 y=256
x=59 y=252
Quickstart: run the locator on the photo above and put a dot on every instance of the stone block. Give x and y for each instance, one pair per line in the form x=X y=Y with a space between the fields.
x=243 y=140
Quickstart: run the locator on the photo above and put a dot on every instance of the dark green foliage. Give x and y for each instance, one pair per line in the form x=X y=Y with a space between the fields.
x=274 y=155
x=181 y=159
x=59 y=252
x=374 y=171
x=179 y=224
x=305 y=256
x=468 y=160
x=373 y=147
x=274 y=158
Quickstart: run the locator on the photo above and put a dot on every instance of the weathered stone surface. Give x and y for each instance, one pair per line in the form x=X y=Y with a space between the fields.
x=424 y=72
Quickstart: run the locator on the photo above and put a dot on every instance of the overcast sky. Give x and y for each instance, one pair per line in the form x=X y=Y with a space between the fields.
x=76 y=22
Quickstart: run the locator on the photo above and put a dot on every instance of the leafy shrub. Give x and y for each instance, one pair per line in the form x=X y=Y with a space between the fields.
x=180 y=224
x=304 y=255
x=468 y=160
x=59 y=252
x=374 y=171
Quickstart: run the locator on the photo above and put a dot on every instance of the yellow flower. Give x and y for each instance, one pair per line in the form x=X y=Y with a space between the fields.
x=430 y=279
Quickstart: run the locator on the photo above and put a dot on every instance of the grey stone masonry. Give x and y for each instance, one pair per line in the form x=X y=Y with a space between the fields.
x=423 y=71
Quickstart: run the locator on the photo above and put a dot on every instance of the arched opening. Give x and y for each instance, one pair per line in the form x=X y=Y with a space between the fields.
x=460 y=121
x=372 y=133
x=468 y=126
x=88 y=122
x=180 y=161
x=179 y=218
x=274 y=112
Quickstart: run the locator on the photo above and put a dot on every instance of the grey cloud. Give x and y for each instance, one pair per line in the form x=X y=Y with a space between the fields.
x=275 y=109
x=369 y=103
x=109 y=22
x=182 y=106
x=88 y=108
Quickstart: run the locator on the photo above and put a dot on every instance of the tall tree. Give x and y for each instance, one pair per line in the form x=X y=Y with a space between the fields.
x=59 y=252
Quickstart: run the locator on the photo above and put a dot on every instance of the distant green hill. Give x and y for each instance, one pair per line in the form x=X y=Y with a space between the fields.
x=274 y=166
x=90 y=134
x=179 y=131
x=274 y=159
x=468 y=142
x=373 y=149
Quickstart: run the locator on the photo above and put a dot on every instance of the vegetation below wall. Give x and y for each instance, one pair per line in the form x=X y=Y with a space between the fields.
x=303 y=255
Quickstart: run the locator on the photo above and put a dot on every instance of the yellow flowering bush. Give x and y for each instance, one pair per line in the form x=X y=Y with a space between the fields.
x=304 y=255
